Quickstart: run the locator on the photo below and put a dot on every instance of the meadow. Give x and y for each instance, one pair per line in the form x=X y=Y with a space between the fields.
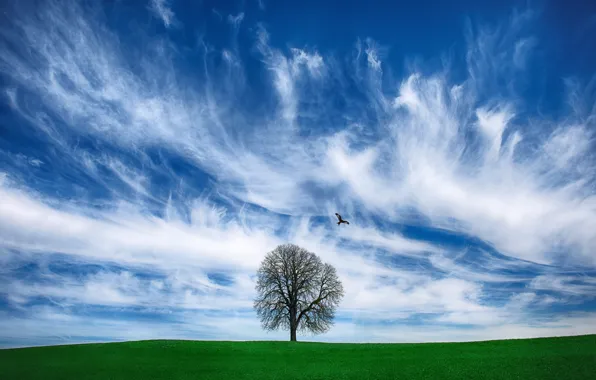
x=543 y=358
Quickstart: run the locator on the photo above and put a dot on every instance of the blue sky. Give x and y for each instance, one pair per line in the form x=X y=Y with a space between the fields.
x=152 y=153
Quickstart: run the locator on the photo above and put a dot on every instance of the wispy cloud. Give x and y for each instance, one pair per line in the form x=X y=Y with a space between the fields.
x=162 y=10
x=236 y=20
x=172 y=180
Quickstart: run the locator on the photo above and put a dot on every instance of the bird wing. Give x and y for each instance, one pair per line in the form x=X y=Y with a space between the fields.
x=338 y=216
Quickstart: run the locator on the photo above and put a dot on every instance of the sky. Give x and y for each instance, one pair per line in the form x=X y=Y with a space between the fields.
x=153 y=152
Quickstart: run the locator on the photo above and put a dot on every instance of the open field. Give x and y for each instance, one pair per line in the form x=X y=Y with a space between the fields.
x=547 y=358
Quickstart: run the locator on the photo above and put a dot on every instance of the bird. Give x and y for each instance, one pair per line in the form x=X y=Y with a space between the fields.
x=340 y=220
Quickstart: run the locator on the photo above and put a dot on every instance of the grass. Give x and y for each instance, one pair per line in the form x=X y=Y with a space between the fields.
x=545 y=358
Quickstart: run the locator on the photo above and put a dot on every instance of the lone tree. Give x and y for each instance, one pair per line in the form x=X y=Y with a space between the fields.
x=296 y=290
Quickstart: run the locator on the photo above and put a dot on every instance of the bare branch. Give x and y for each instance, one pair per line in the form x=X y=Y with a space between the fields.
x=296 y=291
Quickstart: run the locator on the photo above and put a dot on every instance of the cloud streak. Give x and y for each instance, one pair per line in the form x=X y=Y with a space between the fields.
x=162 y=10
x=172 y=182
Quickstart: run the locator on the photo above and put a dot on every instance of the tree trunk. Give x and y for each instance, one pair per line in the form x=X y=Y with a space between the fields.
x=293 y=324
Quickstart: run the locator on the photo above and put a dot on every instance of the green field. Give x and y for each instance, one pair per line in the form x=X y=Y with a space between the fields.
x=549 y=358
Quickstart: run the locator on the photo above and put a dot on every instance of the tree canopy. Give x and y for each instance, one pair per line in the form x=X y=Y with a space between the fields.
x=296 y=291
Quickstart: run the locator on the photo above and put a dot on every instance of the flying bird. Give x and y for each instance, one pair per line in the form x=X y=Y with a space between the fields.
x=340 y=220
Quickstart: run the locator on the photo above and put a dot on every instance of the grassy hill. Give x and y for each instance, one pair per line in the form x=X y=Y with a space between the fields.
x=547 y=358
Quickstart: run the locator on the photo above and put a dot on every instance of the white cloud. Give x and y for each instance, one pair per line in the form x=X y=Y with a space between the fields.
x=489 y=272
x=208 y=242
x=131 y=236
x=444 y=153
x=566 y=285
x=523 y=48
x=236 y=20
x=67 y=328
x=373 y=59
x=530 y=204
x=287 y=72
x=183 y=253
x=162 y=10
x=394 y=243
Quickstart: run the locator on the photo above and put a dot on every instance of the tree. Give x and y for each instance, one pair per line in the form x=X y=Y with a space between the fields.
x=296 y=290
